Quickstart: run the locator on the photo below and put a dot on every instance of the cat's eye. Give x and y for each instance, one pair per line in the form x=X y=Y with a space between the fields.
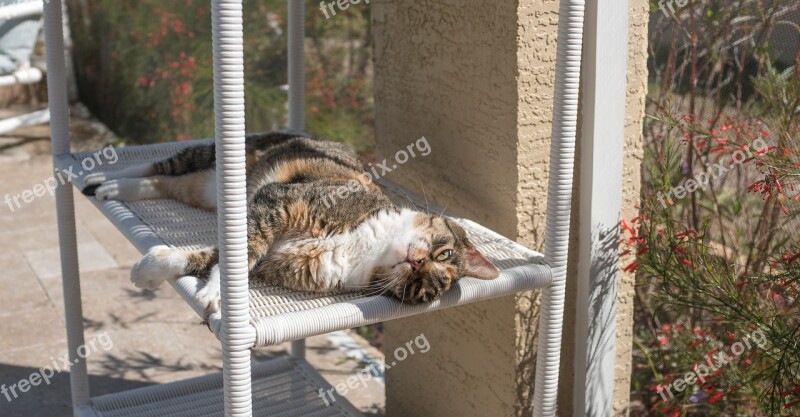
x=445 y=255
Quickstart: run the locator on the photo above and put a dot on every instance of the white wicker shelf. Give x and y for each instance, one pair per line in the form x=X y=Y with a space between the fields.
x=280 y=315
x=281 y=387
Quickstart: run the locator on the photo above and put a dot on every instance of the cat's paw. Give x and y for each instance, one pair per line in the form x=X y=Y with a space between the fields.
x=158 y=265
x=209 y=296
x=93 y=182
x=94 y=178
x=108 y=190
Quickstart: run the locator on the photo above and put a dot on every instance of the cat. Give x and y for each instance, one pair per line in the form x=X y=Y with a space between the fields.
x=296 y=238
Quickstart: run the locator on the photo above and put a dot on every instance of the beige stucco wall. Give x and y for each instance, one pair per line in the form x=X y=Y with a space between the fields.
x=631 y=186
x=476 y=79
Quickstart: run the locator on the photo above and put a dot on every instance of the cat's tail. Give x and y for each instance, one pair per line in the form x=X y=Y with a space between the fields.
x=188 y=160
x=202 y=157
x=162 y=263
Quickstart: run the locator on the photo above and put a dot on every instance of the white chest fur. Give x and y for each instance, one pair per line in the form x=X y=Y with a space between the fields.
x=349 y=258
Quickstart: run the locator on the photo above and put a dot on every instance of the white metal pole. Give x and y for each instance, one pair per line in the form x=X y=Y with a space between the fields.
x=229 y=124
x=602 y=116
x=297 y=93
x=67 y=238
x=559 y=204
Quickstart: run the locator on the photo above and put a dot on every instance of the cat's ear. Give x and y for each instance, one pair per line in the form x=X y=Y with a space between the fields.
x=478 y=266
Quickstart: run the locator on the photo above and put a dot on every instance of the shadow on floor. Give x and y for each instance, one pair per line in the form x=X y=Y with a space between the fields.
x=50 y=400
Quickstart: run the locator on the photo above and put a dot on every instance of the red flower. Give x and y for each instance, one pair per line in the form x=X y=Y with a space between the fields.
x=792 y=258
x=716 y=397
x=632 y=266
x=625 y=226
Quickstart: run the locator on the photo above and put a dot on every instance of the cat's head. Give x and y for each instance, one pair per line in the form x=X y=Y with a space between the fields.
x=426 y=259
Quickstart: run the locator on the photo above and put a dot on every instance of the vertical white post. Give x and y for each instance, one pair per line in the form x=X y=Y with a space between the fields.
x=297 y=92
x=559 y=204
x=229 y=125
x=67 y=239
x=602 y=142
x=297 y=81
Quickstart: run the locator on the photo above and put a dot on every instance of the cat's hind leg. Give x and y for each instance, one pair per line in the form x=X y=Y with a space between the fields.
x=94 y=180
x=198 y=189
x=189 y=160
x=131 y=189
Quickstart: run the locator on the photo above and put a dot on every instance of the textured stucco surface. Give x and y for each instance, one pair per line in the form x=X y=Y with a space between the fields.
x=476 y=79
x=631 y=187
x=446 y=70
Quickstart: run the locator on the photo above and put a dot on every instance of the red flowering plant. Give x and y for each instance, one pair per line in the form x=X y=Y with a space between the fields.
x=715 y=247
x=717 y=257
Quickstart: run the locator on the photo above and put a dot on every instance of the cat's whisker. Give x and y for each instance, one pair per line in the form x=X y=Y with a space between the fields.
x=379 y=291
x=403 y=297
x=410 y=201
x=419 y=179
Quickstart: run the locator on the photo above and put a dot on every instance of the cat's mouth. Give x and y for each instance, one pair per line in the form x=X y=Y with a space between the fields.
x=419 y=290
x=413 y=287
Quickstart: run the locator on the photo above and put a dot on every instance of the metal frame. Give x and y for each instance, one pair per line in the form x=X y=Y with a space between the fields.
x=559 y=204
x=603 y=115
x=65 y=205
x=297 y=94
x=238 y=334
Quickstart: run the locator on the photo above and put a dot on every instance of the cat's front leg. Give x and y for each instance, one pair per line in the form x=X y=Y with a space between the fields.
x=210 y=295
x=161 y=263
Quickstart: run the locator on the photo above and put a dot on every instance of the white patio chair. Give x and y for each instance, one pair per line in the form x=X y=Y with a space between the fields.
x=260 y=315
x=20 y=23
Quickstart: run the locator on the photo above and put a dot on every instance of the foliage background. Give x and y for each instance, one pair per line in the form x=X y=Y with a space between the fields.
x=144 y=68
x=723 y=261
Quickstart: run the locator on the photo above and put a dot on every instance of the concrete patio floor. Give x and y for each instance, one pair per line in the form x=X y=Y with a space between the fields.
x=152 y=337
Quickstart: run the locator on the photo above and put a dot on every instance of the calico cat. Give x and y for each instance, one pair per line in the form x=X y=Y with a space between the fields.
x=296 y=238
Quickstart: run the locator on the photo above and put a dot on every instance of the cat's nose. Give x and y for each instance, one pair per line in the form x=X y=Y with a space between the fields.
x=416 y=264
x=416 y=253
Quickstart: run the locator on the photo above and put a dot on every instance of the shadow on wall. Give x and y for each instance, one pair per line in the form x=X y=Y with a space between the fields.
x=602 y=325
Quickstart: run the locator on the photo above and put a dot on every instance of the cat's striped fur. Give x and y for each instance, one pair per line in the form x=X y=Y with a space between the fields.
x=295 y=238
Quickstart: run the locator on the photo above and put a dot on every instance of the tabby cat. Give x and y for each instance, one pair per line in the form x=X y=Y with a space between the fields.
x=296 y=238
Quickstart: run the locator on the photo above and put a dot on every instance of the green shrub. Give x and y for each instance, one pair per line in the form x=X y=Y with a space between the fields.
x=144 y=68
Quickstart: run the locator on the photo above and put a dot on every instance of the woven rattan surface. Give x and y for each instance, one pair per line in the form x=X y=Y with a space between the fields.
x=281 y=387
x=151 y=222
